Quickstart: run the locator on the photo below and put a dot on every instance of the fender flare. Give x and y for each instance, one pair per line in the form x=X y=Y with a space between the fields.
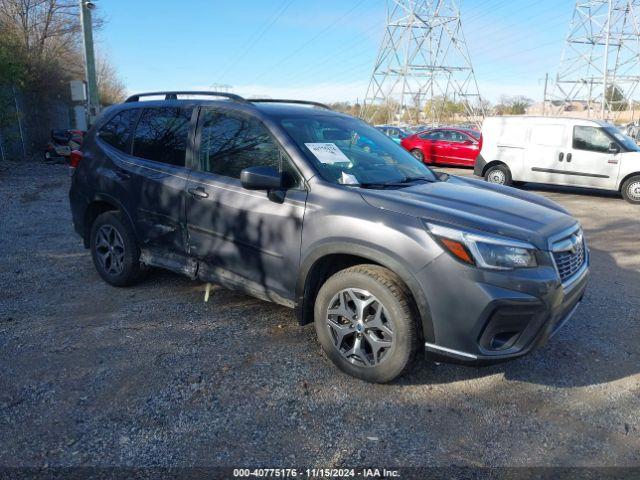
x=106 y=198
x=625 y=178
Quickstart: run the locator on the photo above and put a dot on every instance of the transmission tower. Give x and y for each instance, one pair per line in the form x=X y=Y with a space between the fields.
x=600 y=66
x=423 y=65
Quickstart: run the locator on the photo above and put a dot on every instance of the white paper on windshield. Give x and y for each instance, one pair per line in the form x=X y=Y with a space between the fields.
x=348 y=179
x=327 y=152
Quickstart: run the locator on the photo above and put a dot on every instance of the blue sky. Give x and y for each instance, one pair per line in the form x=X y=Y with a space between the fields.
x=320 y=50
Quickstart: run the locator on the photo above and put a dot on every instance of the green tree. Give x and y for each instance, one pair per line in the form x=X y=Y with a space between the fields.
x=616 y=99
x=442 y=109
x=516 y=105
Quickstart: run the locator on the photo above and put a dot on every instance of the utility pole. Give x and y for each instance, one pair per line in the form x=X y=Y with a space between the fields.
x=93 y=97
x=605 y=68
x=544 y=99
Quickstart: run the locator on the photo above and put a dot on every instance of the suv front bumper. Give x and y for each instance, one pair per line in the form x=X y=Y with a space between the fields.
x=482 y=317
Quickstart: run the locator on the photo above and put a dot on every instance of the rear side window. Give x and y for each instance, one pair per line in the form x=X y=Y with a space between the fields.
x=591 y=138
x=457 y=137
x=232 y=143
x=118 y=130
x=161 y=135
x=547 y=135
x=434 y=135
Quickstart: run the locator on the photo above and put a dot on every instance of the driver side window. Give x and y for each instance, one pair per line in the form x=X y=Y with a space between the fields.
x=592 y=139
x=231 y=143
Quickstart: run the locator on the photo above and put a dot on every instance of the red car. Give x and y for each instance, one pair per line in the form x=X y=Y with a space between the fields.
x=449 y=146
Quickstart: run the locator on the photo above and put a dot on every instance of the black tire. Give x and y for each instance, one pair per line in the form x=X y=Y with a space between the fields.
x=499 y=174
x=417 y=153
x=631 y=190
x=128 y=270
x=392 y=295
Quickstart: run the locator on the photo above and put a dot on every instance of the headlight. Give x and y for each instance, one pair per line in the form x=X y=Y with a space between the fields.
x=484 y=251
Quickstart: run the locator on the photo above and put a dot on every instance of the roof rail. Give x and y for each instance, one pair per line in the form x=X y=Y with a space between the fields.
x=174 y=95
x=296 y=102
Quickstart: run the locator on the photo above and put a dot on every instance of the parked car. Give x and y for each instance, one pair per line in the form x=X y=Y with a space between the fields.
x=394 y=133
x=445 y=146
x=274 y=198
x=560 y=151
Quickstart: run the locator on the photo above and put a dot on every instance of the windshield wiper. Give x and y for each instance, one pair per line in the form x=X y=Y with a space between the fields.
x=417 y=179
x=397 y=183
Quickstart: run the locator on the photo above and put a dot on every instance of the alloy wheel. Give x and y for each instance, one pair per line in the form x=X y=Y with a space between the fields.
x=110 y=250
x=360 y=327
x=418 y=154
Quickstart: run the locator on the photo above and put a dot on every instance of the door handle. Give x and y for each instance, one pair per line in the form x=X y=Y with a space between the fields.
x=569 y=157
x=198 y=192
x=561 y=156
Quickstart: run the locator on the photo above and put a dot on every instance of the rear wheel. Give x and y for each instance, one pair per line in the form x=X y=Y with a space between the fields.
x=114 y=250
x=631 y=190
x=365 y=323
x=499 y=174
x=418 y=154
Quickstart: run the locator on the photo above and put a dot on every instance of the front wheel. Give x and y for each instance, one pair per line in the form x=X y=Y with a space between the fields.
x=631 y=190
x=365 y=323
x=499 y=174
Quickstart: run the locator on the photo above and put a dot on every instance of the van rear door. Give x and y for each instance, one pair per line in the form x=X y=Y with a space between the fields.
x=546 y=154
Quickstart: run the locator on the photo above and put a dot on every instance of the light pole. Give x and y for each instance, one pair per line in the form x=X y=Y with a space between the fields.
x=93 y=98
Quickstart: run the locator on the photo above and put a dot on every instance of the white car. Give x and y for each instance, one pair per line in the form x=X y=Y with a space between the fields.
x=560 y=151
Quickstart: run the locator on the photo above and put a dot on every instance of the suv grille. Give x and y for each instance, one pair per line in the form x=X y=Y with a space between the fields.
x=571 y=256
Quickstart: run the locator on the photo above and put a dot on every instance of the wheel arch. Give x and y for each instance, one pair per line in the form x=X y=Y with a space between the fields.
x=622 y=182
x=99 y=205
x=329 y=259
x=493 y=163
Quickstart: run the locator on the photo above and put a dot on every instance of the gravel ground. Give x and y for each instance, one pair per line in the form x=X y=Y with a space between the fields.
x=153 y=376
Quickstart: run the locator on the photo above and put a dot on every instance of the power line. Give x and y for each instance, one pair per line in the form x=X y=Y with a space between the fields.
x=310 y=41
x=260 y=33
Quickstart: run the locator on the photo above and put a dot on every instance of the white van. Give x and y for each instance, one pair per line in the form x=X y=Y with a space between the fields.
x=561 y=151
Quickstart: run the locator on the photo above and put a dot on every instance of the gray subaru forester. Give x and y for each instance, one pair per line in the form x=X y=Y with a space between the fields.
x=318 y=211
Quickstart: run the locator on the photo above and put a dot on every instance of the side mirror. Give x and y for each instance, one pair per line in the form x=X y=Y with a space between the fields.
x=261 y=178
x=614 y=148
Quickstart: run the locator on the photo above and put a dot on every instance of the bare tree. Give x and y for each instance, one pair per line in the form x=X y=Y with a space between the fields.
x=44 y=43
x=111 y=88
x=46 y=37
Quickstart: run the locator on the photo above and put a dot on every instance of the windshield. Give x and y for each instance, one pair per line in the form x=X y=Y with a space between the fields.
x=348 y=151
x=626 y=141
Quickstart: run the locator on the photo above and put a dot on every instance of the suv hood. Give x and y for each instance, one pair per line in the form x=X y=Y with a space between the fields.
x=477 y=205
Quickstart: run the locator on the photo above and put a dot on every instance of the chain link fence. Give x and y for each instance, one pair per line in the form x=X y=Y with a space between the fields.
x=26 y=120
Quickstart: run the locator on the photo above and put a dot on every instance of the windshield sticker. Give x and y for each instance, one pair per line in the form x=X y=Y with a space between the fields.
x=348 y=179
x=327 y=153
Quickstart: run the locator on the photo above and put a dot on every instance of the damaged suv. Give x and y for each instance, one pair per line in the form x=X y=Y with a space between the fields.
x=318 y=211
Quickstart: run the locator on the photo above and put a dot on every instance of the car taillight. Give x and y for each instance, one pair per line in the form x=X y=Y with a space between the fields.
x=74 y=160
